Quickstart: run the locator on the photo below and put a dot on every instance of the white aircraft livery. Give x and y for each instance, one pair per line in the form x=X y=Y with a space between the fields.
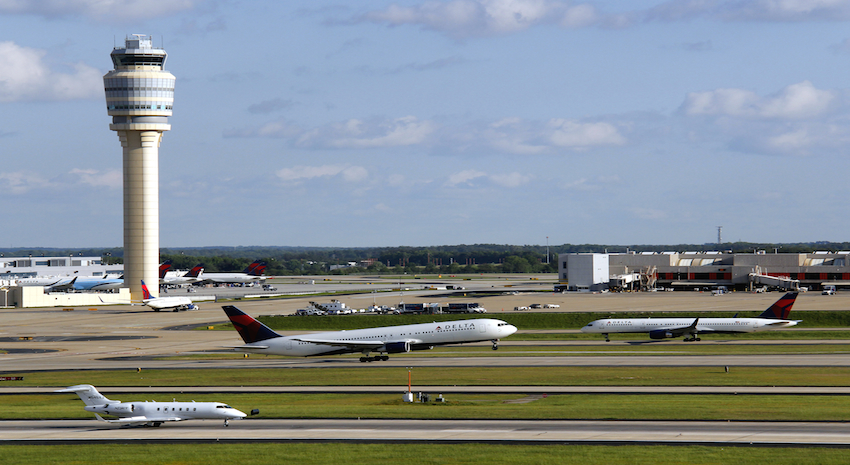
x=259 y=338
x=661 y=328
x=166 y=303
x=151 y=413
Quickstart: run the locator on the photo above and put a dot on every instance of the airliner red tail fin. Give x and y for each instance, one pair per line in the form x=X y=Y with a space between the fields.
x=250 y=329
x=781 y=309
x=195 y=271
x=259 y=269
x=163 y=268
x=251 y=267
x=146 y=294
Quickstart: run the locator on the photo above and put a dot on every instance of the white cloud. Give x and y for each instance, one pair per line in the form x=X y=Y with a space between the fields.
x=481 y=18
x=465 y=18
x=514 y=135
x=797 y=101
x=574 y=134
x=752 y=10
x=21 y=182
x=98 y=9
x=510 y=179
x=25 y=77
x=374 y=133
x=301 y=173
x=113 y=179
x=464 y=177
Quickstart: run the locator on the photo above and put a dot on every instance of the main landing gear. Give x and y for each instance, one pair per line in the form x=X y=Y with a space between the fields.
x=495 y=344
x=691 y=339
x=377 y=358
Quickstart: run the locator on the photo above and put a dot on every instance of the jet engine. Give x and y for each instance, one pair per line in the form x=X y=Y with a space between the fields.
x=396 y=347
x=660 y=334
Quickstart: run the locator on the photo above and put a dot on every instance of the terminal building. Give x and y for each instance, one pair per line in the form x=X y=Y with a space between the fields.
x=703 y=270
x=15 y=268
x=15 y=293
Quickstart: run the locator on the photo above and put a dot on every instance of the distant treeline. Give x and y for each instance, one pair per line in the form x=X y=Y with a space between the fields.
x=473 y=258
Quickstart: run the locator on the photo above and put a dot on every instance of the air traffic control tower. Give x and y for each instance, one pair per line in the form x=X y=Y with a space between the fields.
x=139 y=96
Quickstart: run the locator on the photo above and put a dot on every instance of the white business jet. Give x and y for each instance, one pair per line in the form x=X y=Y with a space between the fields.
x=151 y=413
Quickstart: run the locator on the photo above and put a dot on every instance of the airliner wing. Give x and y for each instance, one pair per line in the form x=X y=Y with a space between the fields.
x=676 y=332
x=338 y=343
x=251 y=347
x=138 y=420
x=356 y=345
x=782 y=323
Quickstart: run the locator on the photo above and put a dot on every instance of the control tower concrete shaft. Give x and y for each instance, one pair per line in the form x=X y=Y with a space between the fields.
x=139 y=97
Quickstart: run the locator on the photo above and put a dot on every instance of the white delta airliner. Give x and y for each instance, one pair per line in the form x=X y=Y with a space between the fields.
x=259 y=338
x=166 y=303
x=151 y=413
x=661 y=328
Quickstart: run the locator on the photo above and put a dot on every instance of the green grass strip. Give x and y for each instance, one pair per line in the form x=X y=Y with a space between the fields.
x=372 y=454
x=473 y=406
x=374 y=374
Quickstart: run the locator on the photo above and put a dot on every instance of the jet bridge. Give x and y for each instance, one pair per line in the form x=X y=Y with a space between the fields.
x=780 y=282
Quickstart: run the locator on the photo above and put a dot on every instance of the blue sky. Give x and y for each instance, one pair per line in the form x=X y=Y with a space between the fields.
x=433 y=122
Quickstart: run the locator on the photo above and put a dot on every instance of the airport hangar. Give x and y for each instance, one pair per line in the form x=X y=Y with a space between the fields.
x=700 y=270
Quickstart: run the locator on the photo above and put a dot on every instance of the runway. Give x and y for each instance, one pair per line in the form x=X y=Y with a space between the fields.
x=445 y=431
x=123 y=338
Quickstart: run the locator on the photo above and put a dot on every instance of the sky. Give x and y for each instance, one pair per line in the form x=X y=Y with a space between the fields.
x=437 y=122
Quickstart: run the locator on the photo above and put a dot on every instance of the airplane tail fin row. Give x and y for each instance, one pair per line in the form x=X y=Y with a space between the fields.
x=781 y=309
x=250 y=329
x=251 y=267
x=88 y=394
x=256 y=268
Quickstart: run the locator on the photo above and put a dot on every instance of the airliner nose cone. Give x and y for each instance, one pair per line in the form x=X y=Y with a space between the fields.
x=511 y=329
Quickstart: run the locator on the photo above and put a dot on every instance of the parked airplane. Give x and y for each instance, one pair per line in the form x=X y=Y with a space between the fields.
x=151 y=413
x=86 y=283
x=192 y=276
x=660 y=328
x=166 y=303
x=254 y=272
x=260 y=338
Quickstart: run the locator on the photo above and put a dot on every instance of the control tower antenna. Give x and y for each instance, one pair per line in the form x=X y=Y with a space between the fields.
x=719 y=236
x=139 y=97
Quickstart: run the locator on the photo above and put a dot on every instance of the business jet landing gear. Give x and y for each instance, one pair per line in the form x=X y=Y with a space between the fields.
x=377 y=358
x=606 y=337
x=495 y=344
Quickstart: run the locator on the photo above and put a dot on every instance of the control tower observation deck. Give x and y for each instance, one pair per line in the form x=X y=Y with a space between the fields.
x=139 y=97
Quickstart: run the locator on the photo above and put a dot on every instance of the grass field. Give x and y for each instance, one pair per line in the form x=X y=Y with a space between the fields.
x=376 y=375
x=455 y=454
x=473 y=406
x=532 y=350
